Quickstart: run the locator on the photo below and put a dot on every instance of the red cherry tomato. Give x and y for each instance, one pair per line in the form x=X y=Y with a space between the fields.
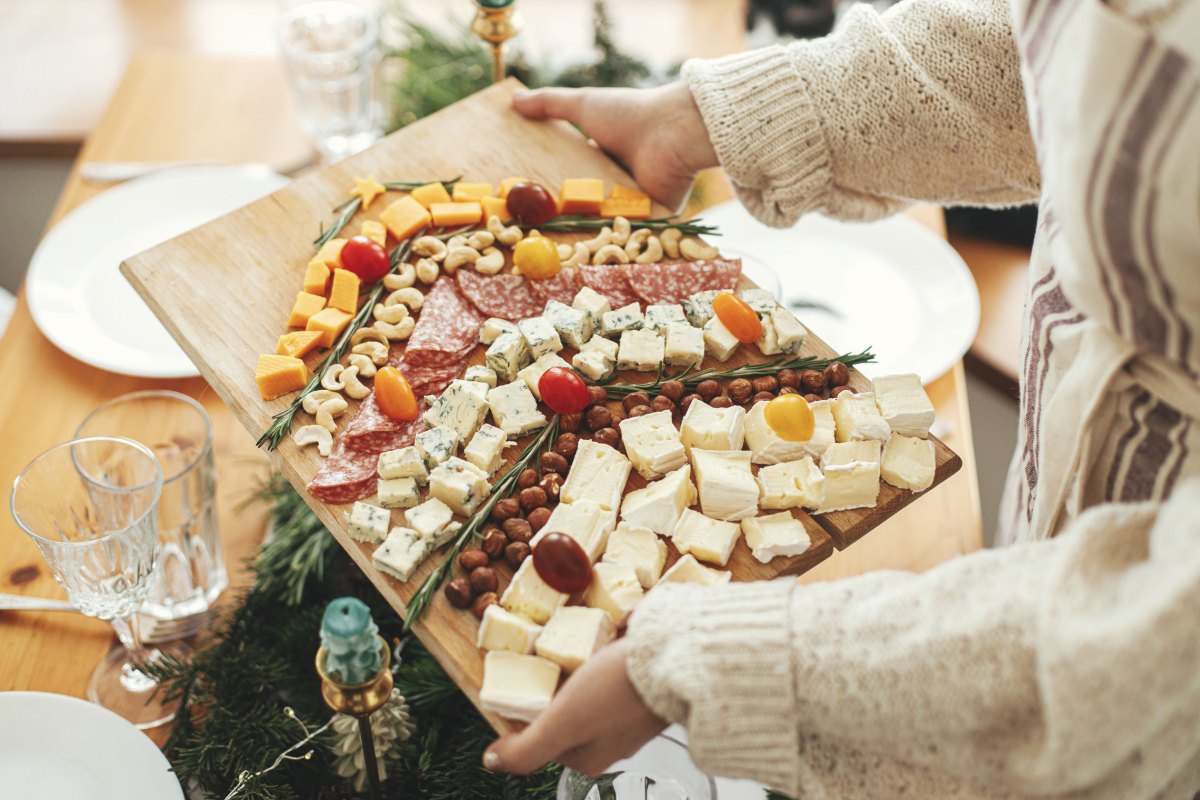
x=737 y=315
x=366 y=258
x=394 y=396
x=561 y=562
x=563 y=390
x=531 y=203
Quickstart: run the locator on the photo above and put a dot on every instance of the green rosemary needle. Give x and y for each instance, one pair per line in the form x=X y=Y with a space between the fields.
x=579 y=224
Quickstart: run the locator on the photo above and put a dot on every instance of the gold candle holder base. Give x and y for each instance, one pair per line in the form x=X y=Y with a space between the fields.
x=360 y=700
x=496 y=26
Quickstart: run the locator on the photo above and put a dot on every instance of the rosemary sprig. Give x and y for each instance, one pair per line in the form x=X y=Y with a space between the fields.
x=407 y=186
x=691 y=376
x=502 y=488
x=579 y=224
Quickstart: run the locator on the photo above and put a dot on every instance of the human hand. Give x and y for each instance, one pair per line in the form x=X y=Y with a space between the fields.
x=657 y=134
x=596 y=719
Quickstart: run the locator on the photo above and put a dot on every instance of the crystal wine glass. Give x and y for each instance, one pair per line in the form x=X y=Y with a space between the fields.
x=90 y=505
x=661 y=770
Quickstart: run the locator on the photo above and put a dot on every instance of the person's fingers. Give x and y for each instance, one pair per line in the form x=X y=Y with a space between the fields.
x=550 y=103
x=528 y=750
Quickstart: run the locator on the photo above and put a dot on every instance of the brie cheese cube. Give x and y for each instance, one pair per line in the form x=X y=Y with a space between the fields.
x=597 y=473
x=707 y=539
x=462 y=486
x=762 y=301
x=684 y=346
x=726 y=484
x=653 y=444
x=540 y=336
x=688 y=570
x=698 y=308
x=401 y=553
x=640 y=548
x=574 y=327
x=594 y=365
x=368 y=523
x=605 y=347
x=398 y=492
x=660 y=318
x=658 y=505
x=403 y=463
x=429 y=518
x=517 y=686
x=640 y=351
x=627 y=318
x=493 y=327
x=852 y=473
x=436 y=445
x=532 y=374
x=903 y=404
x=528 y=595
x=479 y=372
x=718 y=341
x=908 y=463
x=594 y=305
x=507 y=355
x=842 y=453
x=794 y=484
x=501 y=629
x=775 y=535
x=573 y=634
x=486 y=448
x=615 y=589
x=857 y=418
x=767 y=341
x=461 y=408
x=713 y=428
x=790 y=335
x=514 y=409
x=766 y=447
x=584 y=521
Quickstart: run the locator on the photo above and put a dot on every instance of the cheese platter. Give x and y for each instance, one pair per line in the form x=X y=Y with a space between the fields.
x=517 y=425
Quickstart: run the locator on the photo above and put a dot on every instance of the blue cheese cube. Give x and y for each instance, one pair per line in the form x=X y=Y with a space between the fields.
x=492 y=328
x=532 y=375
x=514 y=409
x=436 y=445
x=768 y=341
x=460 y=408
x=790 y=335
x=719 y=342
x=540 y=336
x=478 y=372
x=406 y=462
x=574 y=326
x=594 y=305
x=640 y=351
x=459 y=484
x=429 y=518
x=594 y=365
x=401 y=554
x=486 y=448
x=398 y=492
x=660 y=318
x=626 y=318
x=605 y=347
x=684 y=346
x=507 y=355
x=368 y=523
x=760 y=300
x=699 y=307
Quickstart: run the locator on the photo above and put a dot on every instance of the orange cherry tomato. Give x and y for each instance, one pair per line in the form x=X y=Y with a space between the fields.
x=741 y=320
x=394 y=396
x=790 y=416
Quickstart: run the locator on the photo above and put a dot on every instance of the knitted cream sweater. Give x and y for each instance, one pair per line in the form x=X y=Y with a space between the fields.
x=1068 y=663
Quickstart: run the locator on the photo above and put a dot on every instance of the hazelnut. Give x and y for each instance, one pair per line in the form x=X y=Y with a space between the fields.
x=788 y=390
x=687 y=401
x=789 y=378
x=635 y=399
x=813 y=398
x=507 y=508
x=551 y=484
x=471 y=558
x=766 y=383
x=836 y=374
x=527 y=478
x=494 y=542
x=482 y=602
x=811 y=381
x=608 y=436
x=639 y=411
x=458 y=592
x=597 y=395
x=515 y=553
x=763 y=396
x=521 y=530
x=618 y=417
x=554 y=462
x=663 y=403
x=708 y=389
x=598 y=417
x=569 y=423
x=673 y=390
x=483 y=579
x=536 y=520
x=531 y=498
x=740 y=390
x=566 y=445
x=835 y=391
x=721 y=401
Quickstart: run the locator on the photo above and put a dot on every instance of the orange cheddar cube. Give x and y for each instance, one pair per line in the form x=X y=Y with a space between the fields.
x=343 y=294
x=297 y=344
x=507 y=184
x=468 y=192
x=330 y=322
x=450 y=215
x=619 y=191
x=331 y=253
x=302 y=311
x=316 y=277
x=374 y=230
x=628 y=207
x=278 y=375
x=404 y=217
x=429 y=194
x=582 y=195
x=494 y=207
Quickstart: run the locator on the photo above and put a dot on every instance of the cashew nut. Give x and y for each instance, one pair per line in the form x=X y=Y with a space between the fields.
x=610 y=254
x=314 y=434
x=398 y=332
x=427 y=270
x=491 y=262
x=353 y=386
x=390 y=313
x=404 y=277
x=406 y=297
x=430 y=246
x=457 y=241
x=460 y=256
x=637 y=240
x=580 y=256
x=364 y=365
x=601 y=239
x=376 y=350
x=670 y=241
x=506 y=236
x=481 y=240
x=325 y=405
x=653 y=252
x=564 y=251
x=695 y=250
x=331 y=380
x=621 y=229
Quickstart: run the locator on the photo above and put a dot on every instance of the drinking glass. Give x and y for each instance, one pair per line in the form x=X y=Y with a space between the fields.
x=332 y=51
x=661 y=770
x=191 y=568
x=89 y=505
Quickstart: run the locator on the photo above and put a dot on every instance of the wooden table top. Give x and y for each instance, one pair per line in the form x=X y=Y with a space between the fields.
x=245 y=120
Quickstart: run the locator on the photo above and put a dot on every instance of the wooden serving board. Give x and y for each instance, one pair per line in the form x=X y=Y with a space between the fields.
x=224 y=291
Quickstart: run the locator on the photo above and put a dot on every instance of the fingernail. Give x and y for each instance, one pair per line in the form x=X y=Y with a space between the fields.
x=524 y=94
x=491 y=761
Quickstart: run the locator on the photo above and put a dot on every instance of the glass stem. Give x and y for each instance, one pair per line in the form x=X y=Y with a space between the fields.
x=131 y=638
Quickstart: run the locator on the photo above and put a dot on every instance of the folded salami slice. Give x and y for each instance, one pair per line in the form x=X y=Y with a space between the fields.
x=373 y=431
x=447 y=328
x=562 y=287
x=675 y=281
x=506 y=296
x=612 y=281
x=347 y=475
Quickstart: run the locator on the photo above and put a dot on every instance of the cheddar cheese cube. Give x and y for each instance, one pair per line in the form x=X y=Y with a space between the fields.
x=330 y=322
x=375 y=231
x=305 y=306
x=343 y=294
x=626 y=192
x=278 y=375
x=494 y=207
x=331 y=253
x=582 y=195
x=628 y=207
x=405 y=217
x=507 y=184
x=429 y=194
x=470 y=192
x=297 y=344
x=451 y=215
x=316 y=277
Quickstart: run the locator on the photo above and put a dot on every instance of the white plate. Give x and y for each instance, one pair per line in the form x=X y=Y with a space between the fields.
x=55 y=747
x=76 y=293
x=891 y=285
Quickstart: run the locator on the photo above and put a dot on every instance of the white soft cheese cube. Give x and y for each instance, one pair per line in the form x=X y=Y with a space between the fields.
x=368 y=523
x=517 y=686
x=398 y=492
x=841 y=453
x=627 y=318
x=428 y=519
x=527 y=594
x=598 y=472
x=492 y=328
x=605 y=347
x=852 y=472
x=766 y=447
x=775 y=535
x=478 y=372
x=688 y=570
x=594 y=305
x=461 y=408
x=406 y=462
x=507 y=355
x=767 y=341
x=639 y=547
x=903 y=404
x=501 y=629
x=540 y=336
x=574 y=327
x=615 y=588
x=857 y=418
x=790 y=335
x=794 y=484
x=718 y=341
x=436 y=445
x=594 y=365
x=660 y=318
x=707 y=539
x=653 y=444
x=713 y=428
x=532 y=375
x=657 y=505
x=486 y=448
x=762 y=301
x=401 y=553
x=640 y=351
x=459 y=484
x=573 y=634
x=726 y=483
x=909 y=463
x=584 y=521
x=514 y=409
x=699 y=307
x=684 y=346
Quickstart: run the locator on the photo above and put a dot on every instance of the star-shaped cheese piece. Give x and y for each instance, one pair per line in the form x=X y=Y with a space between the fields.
x=367 y=189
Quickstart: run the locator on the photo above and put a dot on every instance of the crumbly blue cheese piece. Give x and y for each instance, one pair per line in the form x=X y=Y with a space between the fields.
x=688 y=570
x=639 y=547
x=857 y=418
x=760 y=300
x=514 y=409
x=540 y=336
x=501 y=629
x=517 y=686
x=486 y=448
x=718 y=341
x=768 y=342
x=660 y=318
x=401 y=553
x=528 y=595
x=398 y=492
x=699 y=307
x=405 y=462
x=790 y=335
x=462 y=486
x=573 y=634
x=436 y=445
x=766 y=447
x=903 y=404
x=684 y=346
x=908 y=463
x=652 y=444
x=597 y=359
x=368 y=523
x=775 y=535
x=616 y=322
x=429 y=518
x=532 y=375
x=461 y=408
x=713 y=428
x=594 y=305
x=794 y=484
x=493 y=327
x=725 y=482
x=640 y=351
x=478 y=372
x=605 y=347
x=852 y=472
x=615 y=589
x=584 y=521
x=598 y=472
x=447 y=533
x=658 y=504
x=574 y=327
x=707 y=539
x=507 y=355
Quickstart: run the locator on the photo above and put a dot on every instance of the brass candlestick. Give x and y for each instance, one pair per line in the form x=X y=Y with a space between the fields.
x=360 y=700
x=496 y=21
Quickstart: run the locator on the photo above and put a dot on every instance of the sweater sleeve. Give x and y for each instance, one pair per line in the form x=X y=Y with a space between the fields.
x=1062 y=667
x=921 y=103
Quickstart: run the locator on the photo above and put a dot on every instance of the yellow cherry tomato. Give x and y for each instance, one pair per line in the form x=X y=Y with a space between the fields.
x=394 y=396
x=790 y=416
x=537 y=257
x=739 y=318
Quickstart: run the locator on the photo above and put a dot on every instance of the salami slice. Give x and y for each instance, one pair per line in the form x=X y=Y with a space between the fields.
x=346 y=476
x=373 y=431
x=506 y=296
x=447 y=329
x=675 y=281
x=612 y=281
x=562 y=287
